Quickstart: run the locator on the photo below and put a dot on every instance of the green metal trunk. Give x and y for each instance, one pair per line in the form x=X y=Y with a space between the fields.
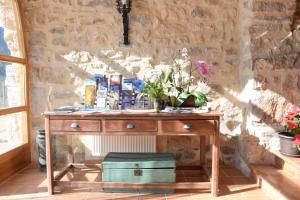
x=139 y=168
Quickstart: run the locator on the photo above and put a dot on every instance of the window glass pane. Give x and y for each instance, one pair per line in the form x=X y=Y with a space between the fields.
x=11 y=38
x=13 y=131
x=12 y=84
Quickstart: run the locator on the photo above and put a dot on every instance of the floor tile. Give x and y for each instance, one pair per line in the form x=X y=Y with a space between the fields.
x=30 y=183
x=178 y=195
x=264 y=197
x=124 y=196
x=152 y=197
x=99 y=195
x=232 y=172
x=252 y=191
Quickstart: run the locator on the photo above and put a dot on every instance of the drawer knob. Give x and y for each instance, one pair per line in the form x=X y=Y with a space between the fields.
x=130 y=126
x=74 y=125
x=187 y=126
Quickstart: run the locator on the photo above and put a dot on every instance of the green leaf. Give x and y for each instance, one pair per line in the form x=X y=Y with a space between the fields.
x=184 y=95
x=169 y=77
x=286 y=127
x=199 y=95
x=181 y=98
x=295 y=131
x=200 y=98
x=155 y=89
x=179 y=89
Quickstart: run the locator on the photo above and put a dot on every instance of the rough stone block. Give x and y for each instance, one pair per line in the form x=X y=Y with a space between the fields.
x=265 y=6
x=243 y=43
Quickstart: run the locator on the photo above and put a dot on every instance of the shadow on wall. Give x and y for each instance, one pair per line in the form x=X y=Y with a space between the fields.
x=85 y=65
x=253 y=109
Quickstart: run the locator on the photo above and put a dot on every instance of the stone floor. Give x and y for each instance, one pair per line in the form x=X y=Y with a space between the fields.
x=31 y=184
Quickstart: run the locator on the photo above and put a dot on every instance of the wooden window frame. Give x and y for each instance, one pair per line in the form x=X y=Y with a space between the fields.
x=19 y=157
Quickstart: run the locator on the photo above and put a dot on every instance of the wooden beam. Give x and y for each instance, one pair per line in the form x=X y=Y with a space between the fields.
x=27 y=70
x=7 y=111
x=12 y=59
x=215 y=161
x=178 y=185
x=49 y=156
x=63 y=172
x=86 y=165
x=101 y=185
x=19 y=157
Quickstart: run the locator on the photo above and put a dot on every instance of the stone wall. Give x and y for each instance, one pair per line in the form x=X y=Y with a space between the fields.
x=271 y=70
x=250 y=45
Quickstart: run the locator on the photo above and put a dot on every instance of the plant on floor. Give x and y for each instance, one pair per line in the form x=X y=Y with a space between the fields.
x=297 y=141
x=292 y=121
x=290 y=139
x=292 y=125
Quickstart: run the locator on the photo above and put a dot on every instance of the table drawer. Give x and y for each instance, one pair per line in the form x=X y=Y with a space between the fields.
x=130 y=125
x=75 y=125
x=187 y=126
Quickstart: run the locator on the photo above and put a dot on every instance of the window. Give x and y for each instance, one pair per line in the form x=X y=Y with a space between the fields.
x=14 y=89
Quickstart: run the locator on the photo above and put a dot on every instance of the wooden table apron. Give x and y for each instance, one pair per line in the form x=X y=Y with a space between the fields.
x=158 y=124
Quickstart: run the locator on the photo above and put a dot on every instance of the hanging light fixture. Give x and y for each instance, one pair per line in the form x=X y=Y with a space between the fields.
x=124 y=7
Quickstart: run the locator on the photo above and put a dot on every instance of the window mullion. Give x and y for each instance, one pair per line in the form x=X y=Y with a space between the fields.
x=7 y=111
x=13 y=59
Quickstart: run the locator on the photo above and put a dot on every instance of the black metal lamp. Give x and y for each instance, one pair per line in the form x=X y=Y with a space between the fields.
x=124 y=7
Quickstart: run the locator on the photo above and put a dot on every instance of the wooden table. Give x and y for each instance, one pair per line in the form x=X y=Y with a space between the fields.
x=157 y=124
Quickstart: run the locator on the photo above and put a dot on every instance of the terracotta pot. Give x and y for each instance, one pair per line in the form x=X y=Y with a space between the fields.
x=286 y=145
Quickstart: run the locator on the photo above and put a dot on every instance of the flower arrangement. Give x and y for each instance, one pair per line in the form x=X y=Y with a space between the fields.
x=292 y=121
x=297 y=141
x=180 y=77
x=177 y=81
x=292 y=125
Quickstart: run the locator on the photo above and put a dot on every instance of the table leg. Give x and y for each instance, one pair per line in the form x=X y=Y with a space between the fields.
x=202 y=150
x=70 y=149
x=215 y=161
x=49 y=156
x=70 y=157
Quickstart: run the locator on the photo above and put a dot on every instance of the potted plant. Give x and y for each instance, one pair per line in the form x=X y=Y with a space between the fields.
x=297 y=141
x=174 y=86
x=155 y=90
x=290 y=138
x=179 y=79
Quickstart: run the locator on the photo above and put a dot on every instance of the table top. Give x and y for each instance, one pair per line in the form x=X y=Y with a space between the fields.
x=82 y=114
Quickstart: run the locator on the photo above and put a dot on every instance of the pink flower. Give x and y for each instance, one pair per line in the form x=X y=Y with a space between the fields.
x=297 y=140
x=286 y=118
x=292 y=124
x=204 y=68
x=292 y=114
x=296 y=109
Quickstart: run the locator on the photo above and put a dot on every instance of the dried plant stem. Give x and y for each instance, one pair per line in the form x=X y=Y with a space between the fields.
x=190 y=76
